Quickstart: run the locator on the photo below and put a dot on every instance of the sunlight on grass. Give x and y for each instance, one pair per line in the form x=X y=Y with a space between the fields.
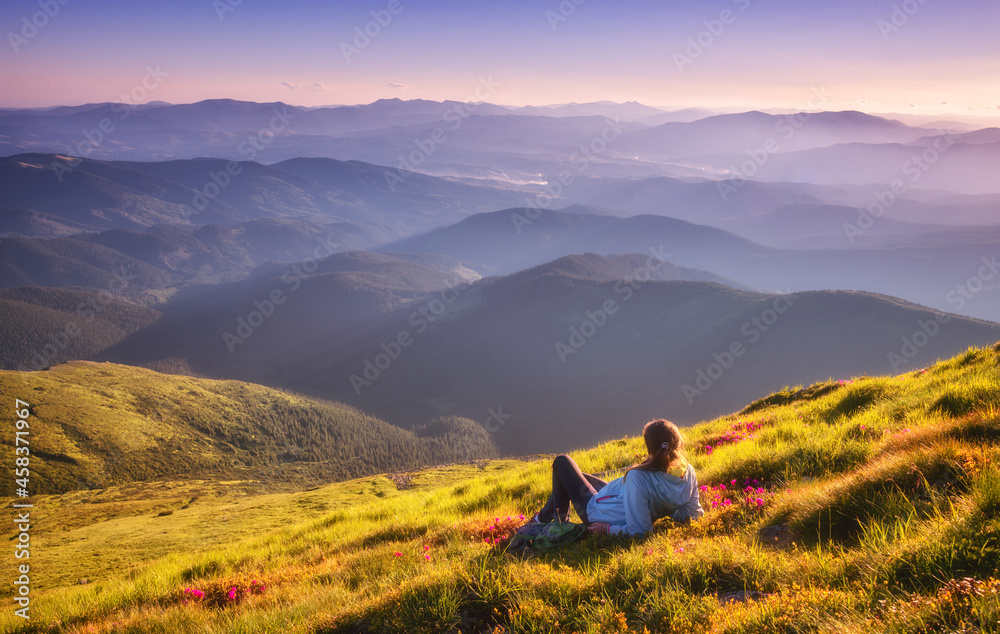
x=863 y=506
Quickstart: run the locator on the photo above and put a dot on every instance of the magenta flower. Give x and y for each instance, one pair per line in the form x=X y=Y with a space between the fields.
x=232 y=594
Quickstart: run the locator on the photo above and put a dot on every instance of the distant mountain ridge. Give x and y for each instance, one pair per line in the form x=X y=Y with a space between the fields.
x=920 y=268
x=431 y=344
x=99 y=195
x=475 y=140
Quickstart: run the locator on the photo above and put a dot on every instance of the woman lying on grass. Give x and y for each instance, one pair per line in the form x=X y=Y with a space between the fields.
x=662 y=485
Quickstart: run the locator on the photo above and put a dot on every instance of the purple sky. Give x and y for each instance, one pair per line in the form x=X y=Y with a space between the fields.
x=930 y=57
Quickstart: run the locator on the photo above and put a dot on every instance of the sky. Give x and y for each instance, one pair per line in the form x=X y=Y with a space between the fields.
x=928 y=57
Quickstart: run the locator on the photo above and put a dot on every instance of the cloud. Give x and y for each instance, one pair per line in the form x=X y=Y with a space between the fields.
x=314 y=87
x=397 y=85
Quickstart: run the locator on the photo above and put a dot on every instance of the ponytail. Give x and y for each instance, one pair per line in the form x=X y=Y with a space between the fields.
x=664 y=444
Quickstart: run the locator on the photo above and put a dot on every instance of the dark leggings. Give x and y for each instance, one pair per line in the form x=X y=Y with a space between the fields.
x=569 y=485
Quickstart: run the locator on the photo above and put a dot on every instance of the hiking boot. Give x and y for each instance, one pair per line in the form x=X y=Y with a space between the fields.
x=538 y=520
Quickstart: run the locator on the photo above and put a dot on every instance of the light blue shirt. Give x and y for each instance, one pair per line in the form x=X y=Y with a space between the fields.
x=631 y=505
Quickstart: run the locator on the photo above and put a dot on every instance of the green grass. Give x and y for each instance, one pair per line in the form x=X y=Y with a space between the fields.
x=103 y=424
x=878 y=511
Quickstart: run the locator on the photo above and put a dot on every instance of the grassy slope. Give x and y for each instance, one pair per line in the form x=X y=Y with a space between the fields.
x=101 y=424
x=885 y=491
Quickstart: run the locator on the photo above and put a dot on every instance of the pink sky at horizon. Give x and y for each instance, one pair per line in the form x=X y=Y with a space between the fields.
x=942 y=60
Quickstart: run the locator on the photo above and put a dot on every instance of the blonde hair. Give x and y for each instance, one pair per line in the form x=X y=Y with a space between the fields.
x=663 y=442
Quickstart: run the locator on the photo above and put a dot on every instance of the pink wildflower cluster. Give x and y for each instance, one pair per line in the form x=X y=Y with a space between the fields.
x=737 y=432
x=753 y=494
x=846 y=382
x=427 y=554
x=193 y=595
x=494 y=531
x=233 y=594
x=237 y=593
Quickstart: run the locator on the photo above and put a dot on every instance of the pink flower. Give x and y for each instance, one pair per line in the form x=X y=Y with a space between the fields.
x=427 y=557
x=732 y=482
x=427 y=547
x=398 y=554
x=232 y=594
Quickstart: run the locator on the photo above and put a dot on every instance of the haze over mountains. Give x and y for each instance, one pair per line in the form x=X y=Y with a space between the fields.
x=422 y=259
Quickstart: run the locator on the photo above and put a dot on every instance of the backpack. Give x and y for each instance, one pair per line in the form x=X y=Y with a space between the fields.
x=532 y=538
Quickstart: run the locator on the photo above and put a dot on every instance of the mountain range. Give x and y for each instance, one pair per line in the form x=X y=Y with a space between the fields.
x=550 y=273
x=518 y=145
x=586 y=343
